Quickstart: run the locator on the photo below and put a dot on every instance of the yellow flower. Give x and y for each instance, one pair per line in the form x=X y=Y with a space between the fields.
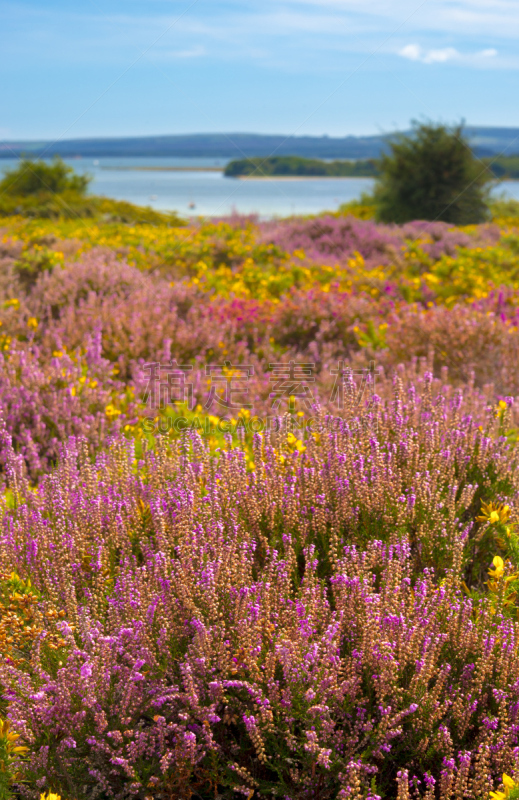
x=32 y=322
x=57 y=353
x=500 y=408
x=498 y=573
x=508 y=784
x=494 y=513
x=499 y=568
x=111 y=411
x=11 y=738
x=13 y=303
x=50 y=796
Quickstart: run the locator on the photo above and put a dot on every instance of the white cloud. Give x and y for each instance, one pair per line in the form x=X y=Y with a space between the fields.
x=462 y=17
x=414 y=52
x=289 y=35
x=411 y=51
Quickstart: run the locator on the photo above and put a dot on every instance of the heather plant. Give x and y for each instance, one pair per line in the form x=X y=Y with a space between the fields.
x=50 y=324
x=193 y=605
x=339 y=238
x=469 y=341
x=44 y=401
x=299 y=628
x=336 y=238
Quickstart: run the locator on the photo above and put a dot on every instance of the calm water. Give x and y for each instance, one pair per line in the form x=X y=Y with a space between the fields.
x=214 y=195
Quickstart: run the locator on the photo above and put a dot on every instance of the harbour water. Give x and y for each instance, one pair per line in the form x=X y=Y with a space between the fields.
x=196 y=186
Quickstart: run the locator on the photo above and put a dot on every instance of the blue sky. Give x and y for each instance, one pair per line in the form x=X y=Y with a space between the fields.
x=274 y=66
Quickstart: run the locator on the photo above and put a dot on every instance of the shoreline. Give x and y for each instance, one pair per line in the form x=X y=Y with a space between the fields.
x=233 y=177
x=161 y=169
x=300 y=177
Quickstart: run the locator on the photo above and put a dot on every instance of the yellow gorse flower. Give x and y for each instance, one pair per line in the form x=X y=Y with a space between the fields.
x=11 y=738
x=494 y=513
x=12 y=303
x=499 y=568
x=295 y=444
x=496 y=575
x=111 y=411
x=508 y=784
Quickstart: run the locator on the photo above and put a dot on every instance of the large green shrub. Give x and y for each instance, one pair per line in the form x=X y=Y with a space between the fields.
x=432 y=174
x=52 y=190
x=36 y=177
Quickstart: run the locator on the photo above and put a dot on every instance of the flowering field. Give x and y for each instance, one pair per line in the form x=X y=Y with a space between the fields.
x=259 y=509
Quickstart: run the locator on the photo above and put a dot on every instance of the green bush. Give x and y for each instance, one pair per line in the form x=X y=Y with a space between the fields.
x=54 y=191
x=503 y=207
x=36 y=177
x=432 y=174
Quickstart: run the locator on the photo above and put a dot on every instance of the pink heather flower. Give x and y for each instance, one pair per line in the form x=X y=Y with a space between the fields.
x=86 y=670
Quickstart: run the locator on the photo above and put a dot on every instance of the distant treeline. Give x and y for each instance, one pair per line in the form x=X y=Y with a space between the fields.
x=295 y=165
x=504 y=166
x=286 y=166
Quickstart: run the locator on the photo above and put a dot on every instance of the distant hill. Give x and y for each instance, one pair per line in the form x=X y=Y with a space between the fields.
x=485 y=142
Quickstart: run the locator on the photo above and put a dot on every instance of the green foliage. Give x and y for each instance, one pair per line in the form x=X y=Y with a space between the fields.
x=10 y=754
x=294 y=165
x=53 y=191
x=363 y=208
x=36 y=177
x=504 y=166
x=504 y=207
x=433 y=175
x=121 y=211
